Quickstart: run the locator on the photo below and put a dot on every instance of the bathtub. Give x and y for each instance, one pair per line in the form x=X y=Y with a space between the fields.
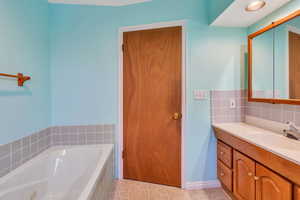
x=63 y=173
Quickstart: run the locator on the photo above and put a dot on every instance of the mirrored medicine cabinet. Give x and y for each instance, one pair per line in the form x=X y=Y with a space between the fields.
x=274 y=62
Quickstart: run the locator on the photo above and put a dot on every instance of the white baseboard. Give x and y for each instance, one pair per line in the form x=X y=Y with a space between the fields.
x=202 y=185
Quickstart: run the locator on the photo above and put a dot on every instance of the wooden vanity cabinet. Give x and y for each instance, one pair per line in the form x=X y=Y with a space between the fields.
x=244 y=178
x=270 y=186
x=243 y=181
x=225 y=175
x=296 y=192
x=253 y=181
x=224 y=154
x=224 y=165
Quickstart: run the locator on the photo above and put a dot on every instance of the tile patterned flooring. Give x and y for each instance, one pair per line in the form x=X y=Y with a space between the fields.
x=133 y=190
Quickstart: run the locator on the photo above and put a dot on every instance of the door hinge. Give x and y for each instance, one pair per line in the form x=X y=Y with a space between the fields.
x=123 y=154
x=123 y=47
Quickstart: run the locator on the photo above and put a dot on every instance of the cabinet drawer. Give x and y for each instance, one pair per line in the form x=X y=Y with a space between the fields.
x=225 y=154
x=225 y=175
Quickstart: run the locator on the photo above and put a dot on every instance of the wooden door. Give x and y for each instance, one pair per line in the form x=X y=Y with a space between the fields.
x=294 y=65
x=152 y=105
x=243 y=181
x=270 y=186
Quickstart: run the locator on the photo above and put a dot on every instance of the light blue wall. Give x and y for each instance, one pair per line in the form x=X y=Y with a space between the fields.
x=216 y=8
x=84 y=67
x=24 y=48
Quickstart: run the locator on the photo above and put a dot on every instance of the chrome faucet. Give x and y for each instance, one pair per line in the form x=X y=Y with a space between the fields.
x=292 y=131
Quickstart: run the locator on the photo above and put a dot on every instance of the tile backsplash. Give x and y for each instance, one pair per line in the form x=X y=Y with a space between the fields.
x=274 y=112
x=20 y=151
x=221 y=111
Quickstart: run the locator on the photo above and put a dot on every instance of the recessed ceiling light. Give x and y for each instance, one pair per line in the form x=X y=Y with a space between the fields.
x=255 y=5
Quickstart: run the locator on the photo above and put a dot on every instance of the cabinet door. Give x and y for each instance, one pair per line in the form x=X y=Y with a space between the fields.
x=243 y=172
x=270 y=186
x=296 y=192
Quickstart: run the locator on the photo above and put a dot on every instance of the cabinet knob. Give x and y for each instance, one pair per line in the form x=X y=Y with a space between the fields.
x=222 y=153
x=256 y=178
x=250 y=174
x=222 y=174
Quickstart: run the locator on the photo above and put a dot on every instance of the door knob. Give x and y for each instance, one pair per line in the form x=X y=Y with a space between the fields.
x=177 y=116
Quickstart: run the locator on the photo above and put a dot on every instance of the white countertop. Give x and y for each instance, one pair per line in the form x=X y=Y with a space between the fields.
x=274 y=142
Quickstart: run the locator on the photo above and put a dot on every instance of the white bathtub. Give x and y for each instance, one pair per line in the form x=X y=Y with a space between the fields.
x=62 y=173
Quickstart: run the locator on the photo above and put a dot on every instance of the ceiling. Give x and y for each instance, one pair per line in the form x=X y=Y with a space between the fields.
x=99 y=2
x=236 y=15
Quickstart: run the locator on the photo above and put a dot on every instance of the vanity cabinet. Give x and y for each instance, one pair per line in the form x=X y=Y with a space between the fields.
x=270 y=186
x=224 y=165
x=296 y=192
x=225 y=175
x=225 y=154
x=247 y=173
x=244 y=171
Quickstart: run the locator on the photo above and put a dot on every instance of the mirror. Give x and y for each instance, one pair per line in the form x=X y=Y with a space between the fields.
x=274 y=62
x=287 y=60
x=262 y=62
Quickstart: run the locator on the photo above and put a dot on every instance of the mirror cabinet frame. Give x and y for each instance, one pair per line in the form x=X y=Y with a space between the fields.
x=250 y=56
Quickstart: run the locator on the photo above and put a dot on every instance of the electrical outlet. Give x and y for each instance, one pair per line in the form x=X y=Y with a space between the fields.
x=232 y=103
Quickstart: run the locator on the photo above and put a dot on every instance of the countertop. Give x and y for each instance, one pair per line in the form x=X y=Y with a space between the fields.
x=274 y=142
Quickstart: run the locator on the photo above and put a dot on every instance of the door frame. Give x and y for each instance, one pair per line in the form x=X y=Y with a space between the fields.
x=181 y=23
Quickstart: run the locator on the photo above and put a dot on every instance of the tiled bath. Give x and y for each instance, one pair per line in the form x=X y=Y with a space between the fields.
x=20 y=151
x=105 y=187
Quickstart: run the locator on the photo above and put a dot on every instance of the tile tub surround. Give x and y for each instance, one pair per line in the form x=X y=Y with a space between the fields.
x=220 y=106
x=16 y=153
x=20 y=151
x=78 y=135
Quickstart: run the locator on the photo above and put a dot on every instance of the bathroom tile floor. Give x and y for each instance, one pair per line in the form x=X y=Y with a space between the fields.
x=133 y=190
